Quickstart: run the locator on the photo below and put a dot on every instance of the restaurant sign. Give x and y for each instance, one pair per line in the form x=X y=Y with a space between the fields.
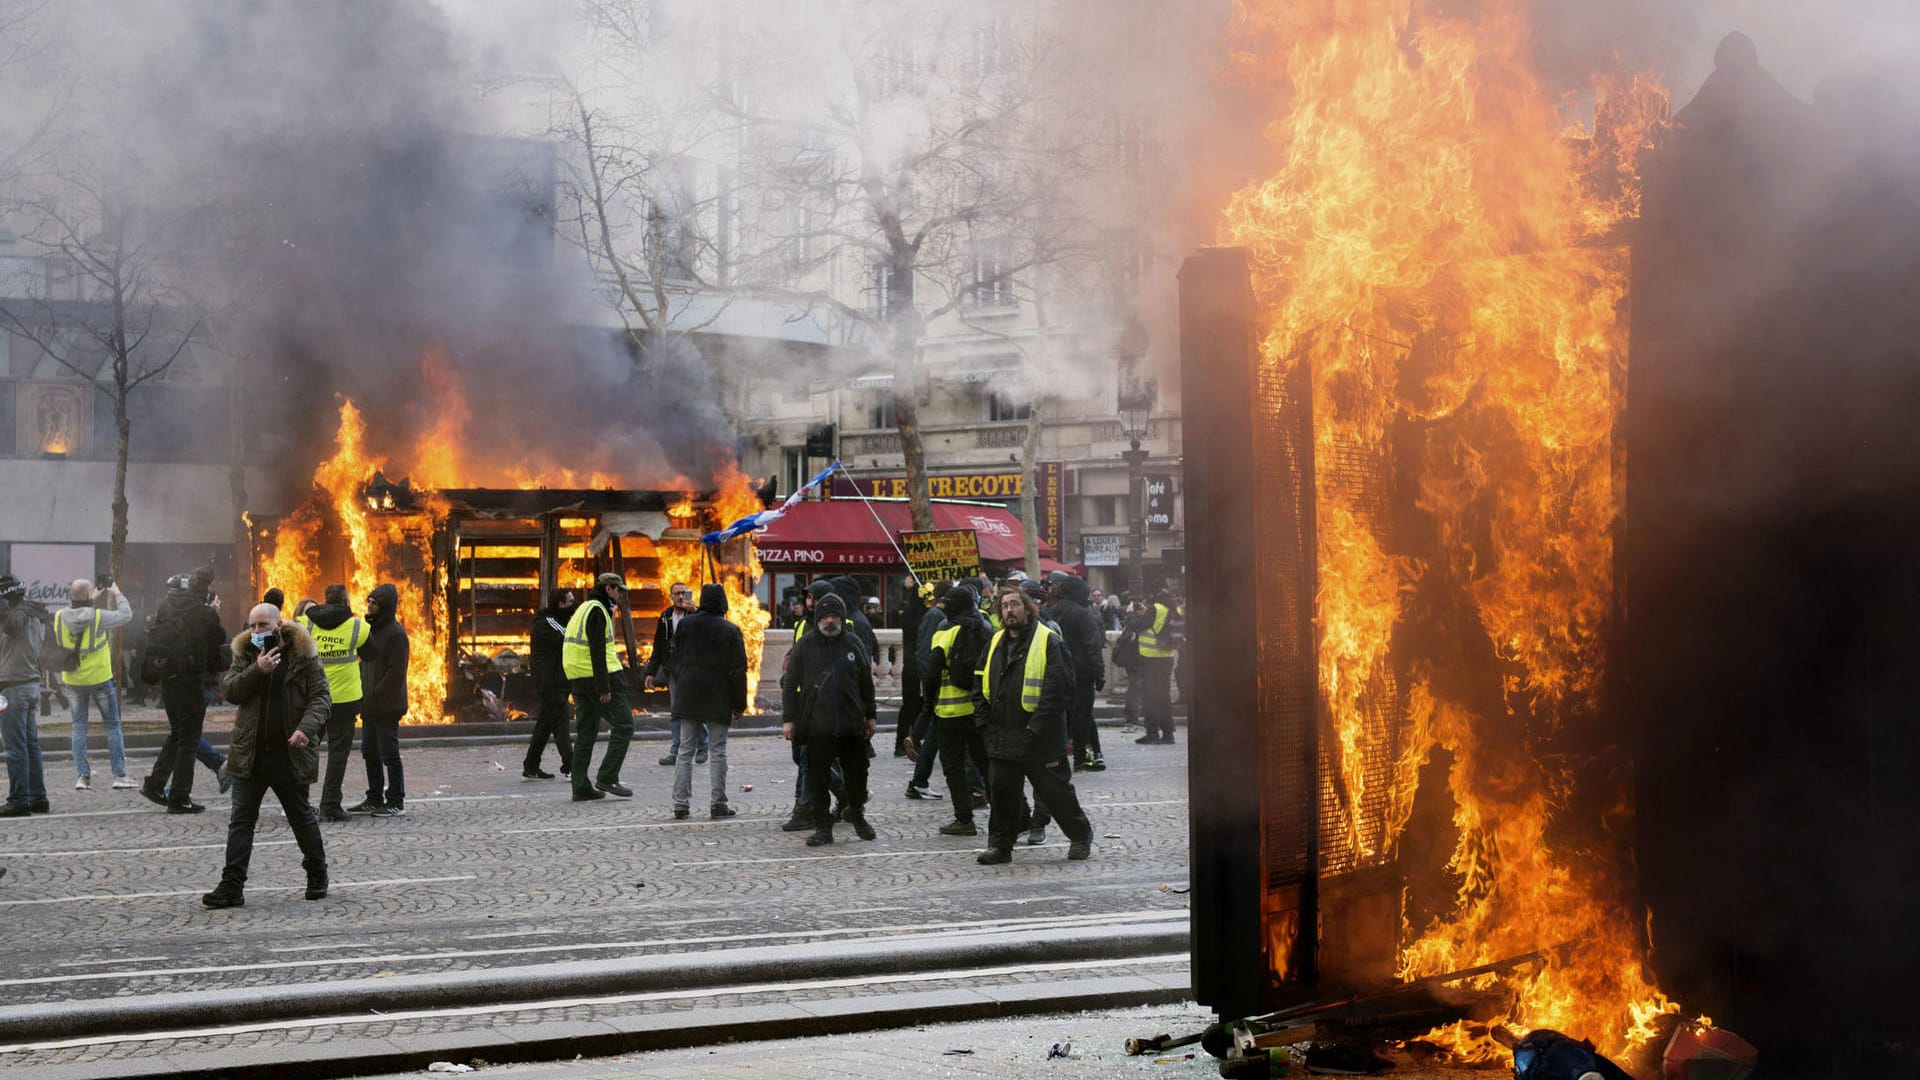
x=1000 y=487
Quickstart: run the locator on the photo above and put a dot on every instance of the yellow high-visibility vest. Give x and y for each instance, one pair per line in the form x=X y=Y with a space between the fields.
x=954 y=700
x=1150 y=646
x=1036 y=673
x=340 y=656
x=575 y=659
x=96 y=662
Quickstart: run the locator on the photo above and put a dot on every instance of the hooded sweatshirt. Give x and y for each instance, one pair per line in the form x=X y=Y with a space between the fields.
x=709 y=663
x=80 y=622
x=385 y=654
x=848 y=590
x=1086 y=642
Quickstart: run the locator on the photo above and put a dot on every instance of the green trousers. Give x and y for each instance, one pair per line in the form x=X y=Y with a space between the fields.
x=589 y=712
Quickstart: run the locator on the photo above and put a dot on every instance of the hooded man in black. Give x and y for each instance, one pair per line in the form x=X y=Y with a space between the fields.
x=947 y=696
x=803 y=809
x=1073 y=613
x=549 y=632
x=184 y=624
x=826 y=704
x=384 y=676
x=709 y=692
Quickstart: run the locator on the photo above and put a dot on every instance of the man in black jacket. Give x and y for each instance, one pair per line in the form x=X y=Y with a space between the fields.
x=709 y=693
x=660 y=666
x=549 y=632
x=826 y=704
x=1026 y=684
x=1073 y=612
x=947 y=692
x=919 y=735
x=185 y=623
x=803 y=810
x=386 y=655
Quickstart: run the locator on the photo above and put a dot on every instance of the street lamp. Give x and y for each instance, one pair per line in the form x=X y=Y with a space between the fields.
x=1137 y=397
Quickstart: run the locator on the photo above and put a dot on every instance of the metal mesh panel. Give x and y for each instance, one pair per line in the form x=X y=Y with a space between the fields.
x=1288 y=686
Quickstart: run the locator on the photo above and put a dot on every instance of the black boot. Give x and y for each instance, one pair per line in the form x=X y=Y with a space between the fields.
x=225 y=895
x=821 y=836
x=801 y=821
x=858 y=820
x=316 y=884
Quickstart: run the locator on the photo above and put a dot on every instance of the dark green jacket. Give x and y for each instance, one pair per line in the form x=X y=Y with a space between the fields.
x=302 y=686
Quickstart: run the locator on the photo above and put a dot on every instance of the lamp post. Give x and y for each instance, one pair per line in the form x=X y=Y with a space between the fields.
x=1137 y=397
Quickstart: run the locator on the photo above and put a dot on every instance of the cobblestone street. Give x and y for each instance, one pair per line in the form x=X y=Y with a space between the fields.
x=488 y=871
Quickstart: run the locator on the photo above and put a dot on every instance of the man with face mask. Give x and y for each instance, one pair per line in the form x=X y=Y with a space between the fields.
x=386 y=655
x=827 y=705
x=679 y=606
x=281 y=690
x=549 y=633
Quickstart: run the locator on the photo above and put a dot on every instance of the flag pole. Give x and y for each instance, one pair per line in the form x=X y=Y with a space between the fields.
x=884 y=531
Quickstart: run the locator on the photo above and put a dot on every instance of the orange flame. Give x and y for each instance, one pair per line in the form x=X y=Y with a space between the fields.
x=1436 y=247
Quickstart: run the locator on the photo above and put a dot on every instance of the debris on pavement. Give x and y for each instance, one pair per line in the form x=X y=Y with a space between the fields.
x=1696 y=1052
x=956 y=1053
x=1545 y=1054
x=1059 y=1050
x=449 y=1067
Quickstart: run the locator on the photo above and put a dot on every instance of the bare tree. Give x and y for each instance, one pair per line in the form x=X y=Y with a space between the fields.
x=120 y=326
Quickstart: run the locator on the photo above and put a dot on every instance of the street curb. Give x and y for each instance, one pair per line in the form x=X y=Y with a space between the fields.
x=441 y=735
x=159 y=1013
x=666 y=1029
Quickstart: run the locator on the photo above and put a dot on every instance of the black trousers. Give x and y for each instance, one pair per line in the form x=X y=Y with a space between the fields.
x=960 y=744
x=1052 y=786
x=850 y=754
x=551 y=723
x=1155 y=675
x=339 y=749
x=186 y=705
x=380 y=750
x=270 y=773
x=1080 y=726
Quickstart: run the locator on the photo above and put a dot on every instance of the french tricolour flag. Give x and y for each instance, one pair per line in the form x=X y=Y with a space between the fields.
x=764 y=518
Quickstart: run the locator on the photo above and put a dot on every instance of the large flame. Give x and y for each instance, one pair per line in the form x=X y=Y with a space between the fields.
x=1436 y=246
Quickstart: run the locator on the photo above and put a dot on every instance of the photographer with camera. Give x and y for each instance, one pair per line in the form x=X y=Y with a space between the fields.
x=284 y=704
x=23 y=633
x=185 y=645
x=83 y=632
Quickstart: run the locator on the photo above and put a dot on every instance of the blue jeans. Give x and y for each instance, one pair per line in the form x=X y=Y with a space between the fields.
x=673 y=748
x=19 y=727
x=107 y=700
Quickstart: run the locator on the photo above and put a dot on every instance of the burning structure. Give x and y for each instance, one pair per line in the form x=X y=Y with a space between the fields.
x=473 y=564
x=1541 y=660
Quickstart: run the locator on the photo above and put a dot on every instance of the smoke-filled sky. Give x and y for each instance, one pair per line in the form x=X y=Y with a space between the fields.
x=356 y=222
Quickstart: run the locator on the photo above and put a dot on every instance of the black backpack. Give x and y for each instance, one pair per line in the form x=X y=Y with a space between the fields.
x=169 y=652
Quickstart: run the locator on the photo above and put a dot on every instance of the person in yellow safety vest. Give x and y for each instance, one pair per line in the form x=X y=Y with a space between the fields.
x=1150 y=680
x=338 y=633
x=946 y=696
x=84 y=630
x=1026 y=684
x=598 y=680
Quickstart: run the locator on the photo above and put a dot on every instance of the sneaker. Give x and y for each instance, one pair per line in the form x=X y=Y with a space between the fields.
x=680 y=813
x=226 y=783
x=722 y=810
x=979 y=800
x=122 y=783
x=615 y=788
x=860 y=827
x=535 y=774
x=16 y=809
x=821 y=837
x=669 y=759
x=390 y=811
x=1080 y=850
x=334 y=813
x=225 y=896
x=959 y=828
x=1037 y=836
x=994 y=856
x=153 y=793
x=700 y=756
x=83 y=784
x=801 y=821
x=364 y=806
x=1098 y=764
x=917 y=792
x=316 y=886
x=587 y=795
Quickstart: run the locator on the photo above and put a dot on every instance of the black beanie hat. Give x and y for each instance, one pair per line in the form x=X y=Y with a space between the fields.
x=830 y=604
x=959 y=600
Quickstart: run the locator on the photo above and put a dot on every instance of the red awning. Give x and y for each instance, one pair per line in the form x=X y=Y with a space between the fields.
x=843 y=532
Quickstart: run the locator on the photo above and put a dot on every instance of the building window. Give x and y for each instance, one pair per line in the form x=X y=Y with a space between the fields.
x=880 y=410
x=991 y=269
x=799 y=247
x=1106 y=509
x=1000 y=407
x=793 y=469
x=883 y=299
